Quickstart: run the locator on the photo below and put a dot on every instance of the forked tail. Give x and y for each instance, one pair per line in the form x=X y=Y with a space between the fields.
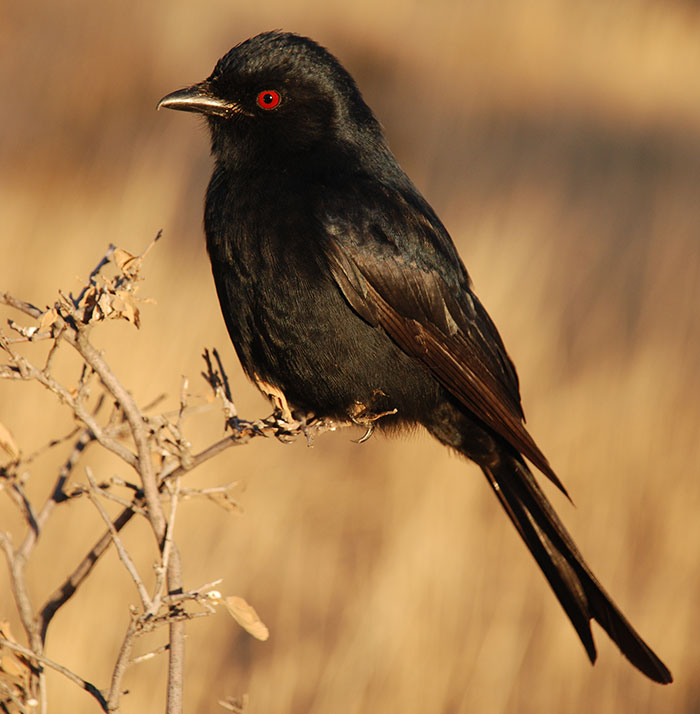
x=578 y=590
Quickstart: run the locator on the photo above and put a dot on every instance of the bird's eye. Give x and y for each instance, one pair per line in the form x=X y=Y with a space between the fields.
x=268 y=99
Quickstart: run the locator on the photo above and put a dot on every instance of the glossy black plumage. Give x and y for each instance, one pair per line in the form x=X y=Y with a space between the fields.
x=345 y=297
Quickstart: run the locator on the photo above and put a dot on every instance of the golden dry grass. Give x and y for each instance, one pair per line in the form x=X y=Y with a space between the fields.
x=560 y=142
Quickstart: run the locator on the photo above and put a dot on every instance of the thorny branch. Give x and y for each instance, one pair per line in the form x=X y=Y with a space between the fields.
x=158 y=453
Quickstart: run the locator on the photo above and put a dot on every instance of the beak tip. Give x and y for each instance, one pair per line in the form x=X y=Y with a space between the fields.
x=171 y=101
x=199 y=99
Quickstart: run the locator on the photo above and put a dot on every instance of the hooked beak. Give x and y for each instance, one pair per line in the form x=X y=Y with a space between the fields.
x=201 y=99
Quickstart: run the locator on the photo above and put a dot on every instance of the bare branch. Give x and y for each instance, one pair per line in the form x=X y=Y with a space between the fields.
x=54 y=442
x=150 y=655
x=24 y=607
x=167 y=547
x=224 y=377
x=29 y=371
x=160 y=455
x=56 y=496
x=155 y=510
x=122 y=663
x=121 y=550
x=176 y=664
x=134 y=505
x=49 y=358
x=183 y=401
x=41 y=659
x=19 y=589
x=221 y=495
x=25 y=307
x=16 y=492
x=217 y=379
x=70 y=321
x=69 y=587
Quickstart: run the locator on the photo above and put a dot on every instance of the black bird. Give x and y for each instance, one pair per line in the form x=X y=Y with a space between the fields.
x=345 y=298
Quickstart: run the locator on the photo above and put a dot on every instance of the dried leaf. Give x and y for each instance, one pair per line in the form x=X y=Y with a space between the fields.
x=48 y=319
x=245 y=615
x=90 y=296
x=8 y=443
x=124 y=304
x=104 y=302
x=126 y=262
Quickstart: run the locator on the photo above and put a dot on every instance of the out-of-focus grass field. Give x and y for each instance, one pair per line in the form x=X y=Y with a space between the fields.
x=560 y=143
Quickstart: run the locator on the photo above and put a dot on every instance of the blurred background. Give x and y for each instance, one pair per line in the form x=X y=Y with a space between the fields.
x=560 y=143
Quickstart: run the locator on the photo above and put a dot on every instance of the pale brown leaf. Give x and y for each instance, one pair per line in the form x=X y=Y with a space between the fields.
x=124 y=304
x=104 y=303
x=48 y=319
x=245 y=615
x=126 y=262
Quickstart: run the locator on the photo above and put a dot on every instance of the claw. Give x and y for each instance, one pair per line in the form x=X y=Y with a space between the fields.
x=363 y=417
x=366 y=435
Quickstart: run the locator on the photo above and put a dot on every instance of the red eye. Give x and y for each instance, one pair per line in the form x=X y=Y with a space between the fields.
x=268 y=99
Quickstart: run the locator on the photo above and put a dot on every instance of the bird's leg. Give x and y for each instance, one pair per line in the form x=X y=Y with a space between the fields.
x=288 y=425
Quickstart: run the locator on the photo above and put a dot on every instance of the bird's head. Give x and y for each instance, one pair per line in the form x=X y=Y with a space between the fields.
x=279 y=94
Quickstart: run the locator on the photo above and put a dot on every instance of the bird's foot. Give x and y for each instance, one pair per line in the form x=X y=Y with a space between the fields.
x=287 y=426
x=363 y=416
x=243 y=426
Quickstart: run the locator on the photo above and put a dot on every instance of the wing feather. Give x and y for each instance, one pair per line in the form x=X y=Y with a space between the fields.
x=400 y=284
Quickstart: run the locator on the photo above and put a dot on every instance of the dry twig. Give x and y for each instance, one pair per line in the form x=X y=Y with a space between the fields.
x=140 y=440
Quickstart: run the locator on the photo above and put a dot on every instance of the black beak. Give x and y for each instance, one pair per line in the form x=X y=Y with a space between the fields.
x=201 y=99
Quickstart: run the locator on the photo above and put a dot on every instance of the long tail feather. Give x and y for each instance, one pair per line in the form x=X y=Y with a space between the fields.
x=578 y=590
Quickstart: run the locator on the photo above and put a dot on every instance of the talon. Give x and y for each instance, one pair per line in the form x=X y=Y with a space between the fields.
x=363 y=417
x=366 y=435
